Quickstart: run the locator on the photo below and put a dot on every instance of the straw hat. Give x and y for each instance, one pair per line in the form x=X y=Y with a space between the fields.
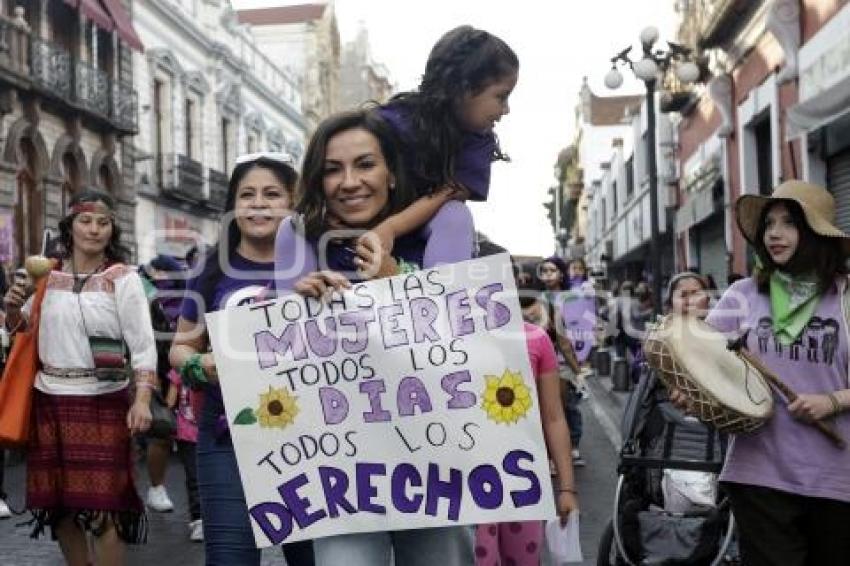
x=817 y=204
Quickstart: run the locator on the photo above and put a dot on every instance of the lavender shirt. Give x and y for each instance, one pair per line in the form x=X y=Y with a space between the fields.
x=472 y=163
x=786 y=454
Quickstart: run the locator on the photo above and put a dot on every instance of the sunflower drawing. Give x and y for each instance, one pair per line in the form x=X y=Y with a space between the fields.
x=506 y=399
x=278 y=409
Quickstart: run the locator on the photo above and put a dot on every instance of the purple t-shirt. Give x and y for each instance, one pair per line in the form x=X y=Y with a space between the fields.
x=472 y=163
x=786 y=454
x=246 y=286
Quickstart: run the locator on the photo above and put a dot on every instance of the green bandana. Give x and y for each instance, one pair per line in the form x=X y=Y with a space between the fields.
x=792 y=303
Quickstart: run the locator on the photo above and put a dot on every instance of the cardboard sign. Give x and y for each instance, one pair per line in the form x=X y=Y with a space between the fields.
x=402 y=403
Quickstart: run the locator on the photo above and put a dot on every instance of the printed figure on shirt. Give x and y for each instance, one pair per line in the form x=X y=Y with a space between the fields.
x=795 y=347
x=764 y=331
x=813 y=333
x=829 y=342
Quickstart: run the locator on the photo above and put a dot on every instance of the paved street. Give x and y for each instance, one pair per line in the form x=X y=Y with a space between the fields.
x=168 y=537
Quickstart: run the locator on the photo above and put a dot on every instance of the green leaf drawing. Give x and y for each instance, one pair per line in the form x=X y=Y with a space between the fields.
x=245 y=417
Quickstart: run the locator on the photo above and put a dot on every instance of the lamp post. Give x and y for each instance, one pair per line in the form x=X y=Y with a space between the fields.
x=654 y=63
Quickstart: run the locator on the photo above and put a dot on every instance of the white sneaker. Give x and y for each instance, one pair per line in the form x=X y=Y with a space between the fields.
x=5 y=512
x=196 y=531
x=158 y=499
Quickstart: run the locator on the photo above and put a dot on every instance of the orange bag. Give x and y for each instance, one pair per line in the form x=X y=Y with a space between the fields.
x=16 y=386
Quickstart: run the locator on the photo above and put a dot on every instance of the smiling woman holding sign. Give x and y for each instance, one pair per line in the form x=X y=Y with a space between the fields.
x=238 y=271
x=353 y=175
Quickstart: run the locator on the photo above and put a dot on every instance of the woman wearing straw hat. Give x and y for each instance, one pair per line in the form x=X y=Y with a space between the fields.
x=789 y=486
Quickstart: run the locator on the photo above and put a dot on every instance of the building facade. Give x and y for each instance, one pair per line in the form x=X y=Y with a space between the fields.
x=612 y=151
x=599 y=120
x=68 y=110
x=207 y=93
x=774 y=108
x=362 y=79
x=305 y=39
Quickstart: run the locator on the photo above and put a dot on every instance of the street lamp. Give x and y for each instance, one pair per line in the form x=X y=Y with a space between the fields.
x=654 y=63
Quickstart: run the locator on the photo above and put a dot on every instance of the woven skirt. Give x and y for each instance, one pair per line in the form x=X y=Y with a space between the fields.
x=80 y=465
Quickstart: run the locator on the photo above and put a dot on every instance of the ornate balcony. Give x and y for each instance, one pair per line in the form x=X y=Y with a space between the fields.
x=722 y=19
x=181 y=177
x=36 y=64
x=218 y=189
x=91 y=88
x=51 y=68
x=125 y=106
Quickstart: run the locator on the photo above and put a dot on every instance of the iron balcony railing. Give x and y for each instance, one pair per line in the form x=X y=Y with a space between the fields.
x=124 y=106
x=91 y=88
x=218 y=189
x=31 y=62
x=51 y=68
x=181 y=177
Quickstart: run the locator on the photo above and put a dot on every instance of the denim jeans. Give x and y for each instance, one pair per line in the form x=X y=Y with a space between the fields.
x=573 y=414
x=228 y=538
x=440 y=546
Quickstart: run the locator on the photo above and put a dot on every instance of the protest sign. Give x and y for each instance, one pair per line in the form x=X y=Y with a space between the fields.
x=402 y=403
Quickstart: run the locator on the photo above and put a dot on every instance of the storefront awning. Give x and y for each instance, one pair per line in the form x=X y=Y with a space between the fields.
x=93 y=11
x=123 y=24
x=818 y=110
x=112 y=17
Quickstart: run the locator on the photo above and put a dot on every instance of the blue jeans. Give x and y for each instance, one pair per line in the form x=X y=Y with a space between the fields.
x=573 y=414
x=441 y=546
x=228 y=538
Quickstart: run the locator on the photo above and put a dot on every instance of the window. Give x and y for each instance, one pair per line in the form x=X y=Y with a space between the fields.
x=159 y=126
x=764 y=158
x=614 y=197
x=630 y=177
x=253 y=142
x=161 y=106
x=226 y=129
x=190 y=129
x=604 y=212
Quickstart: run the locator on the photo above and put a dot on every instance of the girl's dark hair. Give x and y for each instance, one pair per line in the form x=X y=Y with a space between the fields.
x=115 y=251
x=229 y=236
x=312 y=202
x=823 y=256
x=562 y=267
x=464 y=61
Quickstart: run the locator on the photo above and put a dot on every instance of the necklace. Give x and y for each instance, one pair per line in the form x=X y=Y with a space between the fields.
x=80 y=280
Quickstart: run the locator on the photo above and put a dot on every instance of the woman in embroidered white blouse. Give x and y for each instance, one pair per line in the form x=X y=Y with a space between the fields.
x=79 y=462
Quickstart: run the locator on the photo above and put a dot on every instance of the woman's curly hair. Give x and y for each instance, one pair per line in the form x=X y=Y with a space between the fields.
x=464 y=61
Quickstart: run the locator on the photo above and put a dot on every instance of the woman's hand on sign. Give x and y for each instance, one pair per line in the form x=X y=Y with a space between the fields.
x=320 y=284
x=810 y=408
x=567 y=503
x=373 y=261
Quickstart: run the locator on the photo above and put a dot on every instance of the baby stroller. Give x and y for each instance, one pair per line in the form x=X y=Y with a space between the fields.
x=667 y=509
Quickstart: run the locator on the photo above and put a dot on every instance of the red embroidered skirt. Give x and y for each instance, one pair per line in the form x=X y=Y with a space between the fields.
x=79 y=464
